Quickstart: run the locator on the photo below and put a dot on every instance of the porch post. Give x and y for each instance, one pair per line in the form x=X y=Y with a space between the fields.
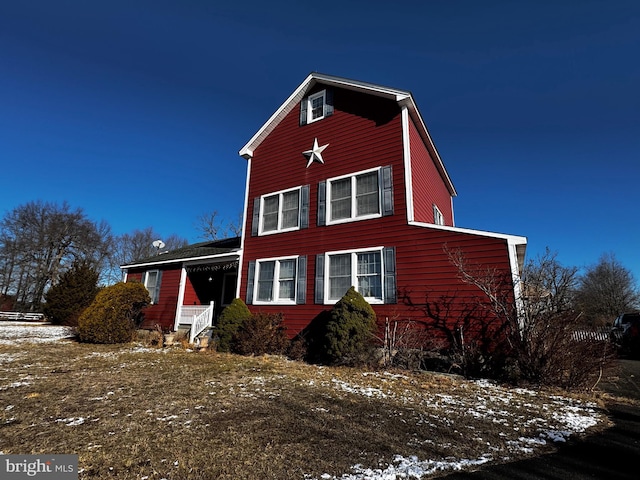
x=179 y=302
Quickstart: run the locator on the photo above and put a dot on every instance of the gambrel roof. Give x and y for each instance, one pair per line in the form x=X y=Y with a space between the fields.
x=401 y=97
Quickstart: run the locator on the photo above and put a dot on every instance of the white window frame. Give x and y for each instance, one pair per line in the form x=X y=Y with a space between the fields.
x=438 y=218
x=155 y=294
x=354 y=217
x=279 y=228
x=321 y=94
x=276 y=283
x=354 y=273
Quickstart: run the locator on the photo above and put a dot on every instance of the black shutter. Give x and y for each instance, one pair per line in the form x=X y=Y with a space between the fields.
x=322 y=203
x=250 y=275
x=304 y=207
x=390 y=288
x=303 y=110
x=387 y=191
x=301 y=281
x=255 y=222
x=319 y=286
x=328 y=101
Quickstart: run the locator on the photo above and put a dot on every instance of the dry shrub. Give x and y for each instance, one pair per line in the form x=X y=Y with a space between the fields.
x=260 y=334
x=151 y=338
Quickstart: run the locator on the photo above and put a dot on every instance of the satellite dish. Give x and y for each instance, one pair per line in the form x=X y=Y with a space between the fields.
x=158 y=244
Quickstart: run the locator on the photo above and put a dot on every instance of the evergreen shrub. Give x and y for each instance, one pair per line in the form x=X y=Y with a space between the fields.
x=351 y=331
x=75 y=291
x=114 y=315
x=228 y=323
x=260 y=334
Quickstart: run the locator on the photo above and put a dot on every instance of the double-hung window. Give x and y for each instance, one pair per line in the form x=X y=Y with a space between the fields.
x=316 y=106
x=363 y=270
x=354 y=197
x=371 y=271
x=276 y=281
x=151 y=280
x=280 y=211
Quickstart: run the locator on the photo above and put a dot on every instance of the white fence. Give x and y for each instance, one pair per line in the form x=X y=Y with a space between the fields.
x=595 y=333
x=22 y=316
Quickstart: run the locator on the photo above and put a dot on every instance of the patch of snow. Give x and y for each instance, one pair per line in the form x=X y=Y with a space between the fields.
x=71 y=421
x=17 y=332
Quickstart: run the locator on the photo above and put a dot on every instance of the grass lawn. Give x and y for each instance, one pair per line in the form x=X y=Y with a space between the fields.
x=137 y=413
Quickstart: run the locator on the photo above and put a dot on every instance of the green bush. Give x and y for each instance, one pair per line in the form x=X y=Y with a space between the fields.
x=228 y=323
x=114 y=314
x=350 y=334
x=260 y=334
x=75 y=291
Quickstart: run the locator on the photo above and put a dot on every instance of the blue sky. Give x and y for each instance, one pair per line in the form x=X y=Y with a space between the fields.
x=135 y=111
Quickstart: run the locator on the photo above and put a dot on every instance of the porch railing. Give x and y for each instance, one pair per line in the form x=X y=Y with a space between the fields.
x=188 y=312
x=199 y=317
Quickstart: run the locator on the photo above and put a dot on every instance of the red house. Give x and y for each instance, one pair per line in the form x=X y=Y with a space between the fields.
x=345 y=188
x=188 y=286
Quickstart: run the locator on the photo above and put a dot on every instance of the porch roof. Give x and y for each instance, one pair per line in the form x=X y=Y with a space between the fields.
x=211 y=249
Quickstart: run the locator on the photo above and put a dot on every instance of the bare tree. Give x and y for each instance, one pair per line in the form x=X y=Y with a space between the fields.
x=538 y=328
x=137 y=245
x=39 y=241
x=607 y=289
x=212 y=227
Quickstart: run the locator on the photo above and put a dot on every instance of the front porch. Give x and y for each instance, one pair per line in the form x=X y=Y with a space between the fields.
x=205 y=290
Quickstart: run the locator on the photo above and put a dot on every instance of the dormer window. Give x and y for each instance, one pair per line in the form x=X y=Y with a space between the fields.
x=316 y=106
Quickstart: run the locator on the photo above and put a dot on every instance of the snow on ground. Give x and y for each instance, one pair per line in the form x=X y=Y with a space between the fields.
x=568 y=416
x=34 y=332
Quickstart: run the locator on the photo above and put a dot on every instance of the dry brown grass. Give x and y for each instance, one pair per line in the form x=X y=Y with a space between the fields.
x=137 y=413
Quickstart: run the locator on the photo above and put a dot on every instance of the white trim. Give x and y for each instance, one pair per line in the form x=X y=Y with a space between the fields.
x=244 y=227
x=354 y=217
x=201 y=259
x=279 y=229
x=453 y=219
x=180 y=302
x=515 y=239
x=310 y=99
x=354 y=275
x=276 y=300
x=408 y=175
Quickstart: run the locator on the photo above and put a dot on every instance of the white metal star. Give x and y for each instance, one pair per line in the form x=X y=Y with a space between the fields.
x=315 y=154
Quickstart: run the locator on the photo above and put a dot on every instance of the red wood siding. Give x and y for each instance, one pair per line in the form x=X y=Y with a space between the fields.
x=428 y=187
x=190 y=296
x=162 y=313
x=364 y=132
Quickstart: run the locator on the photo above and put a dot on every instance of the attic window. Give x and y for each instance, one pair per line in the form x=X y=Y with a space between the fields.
x=438 y=218
x=316 y=107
